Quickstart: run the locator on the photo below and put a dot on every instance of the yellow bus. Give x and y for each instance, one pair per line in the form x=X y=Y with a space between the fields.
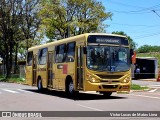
x=89 y=62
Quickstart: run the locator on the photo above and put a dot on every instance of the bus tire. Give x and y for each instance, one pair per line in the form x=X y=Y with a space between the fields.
x=107 y=94
x=70 y=89
x=39 y=85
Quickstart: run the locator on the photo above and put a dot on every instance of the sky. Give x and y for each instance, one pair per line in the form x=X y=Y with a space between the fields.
x=139 y=19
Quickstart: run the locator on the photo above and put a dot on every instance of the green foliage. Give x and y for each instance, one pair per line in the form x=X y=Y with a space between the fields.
x=14 y=78
x=132 y=43
x=2 y=78
x=138 y=87
x=79 y=16
x=18 y=23
x=148 y=48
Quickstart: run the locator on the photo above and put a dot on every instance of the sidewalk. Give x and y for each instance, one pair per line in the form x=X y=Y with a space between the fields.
x=145 y=82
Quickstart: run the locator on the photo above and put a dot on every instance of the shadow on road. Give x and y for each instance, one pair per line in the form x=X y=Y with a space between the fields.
x=80 y=96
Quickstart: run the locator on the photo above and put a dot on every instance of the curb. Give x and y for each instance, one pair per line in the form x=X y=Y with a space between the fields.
x=147 y=80
x=141 y=90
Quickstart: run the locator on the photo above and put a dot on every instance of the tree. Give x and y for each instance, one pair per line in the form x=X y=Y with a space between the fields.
x=61 y=18
x=132 y=43
x=30 y=21
x=18 y=22
x=10 y=11
x=148 y=48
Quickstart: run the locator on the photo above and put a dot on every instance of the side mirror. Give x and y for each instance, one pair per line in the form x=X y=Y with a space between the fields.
x=84 y=50
x=131 y=52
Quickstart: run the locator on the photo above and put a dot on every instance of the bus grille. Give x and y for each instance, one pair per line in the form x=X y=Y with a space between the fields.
x=110 y=76
x=109 y=86
x=112 y=81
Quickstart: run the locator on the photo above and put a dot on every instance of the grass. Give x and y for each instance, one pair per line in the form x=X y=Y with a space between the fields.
x=14 y=79
x=138 y=87
x=2 y=78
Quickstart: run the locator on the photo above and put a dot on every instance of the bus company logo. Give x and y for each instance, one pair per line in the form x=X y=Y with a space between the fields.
x=109 y=81
x=6 y=114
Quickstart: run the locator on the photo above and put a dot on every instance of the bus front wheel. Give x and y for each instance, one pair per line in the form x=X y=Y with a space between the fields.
x=107 y=94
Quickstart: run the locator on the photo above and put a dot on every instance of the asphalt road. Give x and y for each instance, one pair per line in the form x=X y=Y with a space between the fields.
x=17 y=97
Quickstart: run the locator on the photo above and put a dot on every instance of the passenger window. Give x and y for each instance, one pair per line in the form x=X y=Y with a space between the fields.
x=60 y=53
x=42 y=58
x=70 y=52
x=29 y=58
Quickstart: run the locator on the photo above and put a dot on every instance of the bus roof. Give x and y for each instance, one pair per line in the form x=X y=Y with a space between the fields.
x=70 y=39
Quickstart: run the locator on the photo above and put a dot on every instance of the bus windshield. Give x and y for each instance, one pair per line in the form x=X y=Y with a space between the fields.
x=107 y=58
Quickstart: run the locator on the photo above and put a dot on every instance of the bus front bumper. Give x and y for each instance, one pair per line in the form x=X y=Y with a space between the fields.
x=116 y=87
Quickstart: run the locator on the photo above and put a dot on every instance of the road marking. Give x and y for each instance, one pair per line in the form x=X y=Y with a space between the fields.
x=155 y=85
x=145 y=96
x=90 y=107
x=24 y=91
x=10 y=91
x=152 y=90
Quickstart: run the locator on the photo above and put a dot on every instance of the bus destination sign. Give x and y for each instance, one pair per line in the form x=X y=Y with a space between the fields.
x=104 y=40
x=107 y=40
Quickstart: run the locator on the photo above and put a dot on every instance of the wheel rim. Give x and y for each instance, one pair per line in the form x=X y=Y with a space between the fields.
x=39 y=84
x=71 y=87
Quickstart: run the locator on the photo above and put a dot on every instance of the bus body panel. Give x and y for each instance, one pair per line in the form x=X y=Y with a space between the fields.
x=42 y=73
x=77 y=70
x=29 y=77
x=59 y=76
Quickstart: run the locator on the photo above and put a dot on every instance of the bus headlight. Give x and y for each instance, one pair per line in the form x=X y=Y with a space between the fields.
x=92 y=79
x=126 y=80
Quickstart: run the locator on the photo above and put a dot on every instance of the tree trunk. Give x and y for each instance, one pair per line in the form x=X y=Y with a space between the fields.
x=8 y=73
x=15 y=60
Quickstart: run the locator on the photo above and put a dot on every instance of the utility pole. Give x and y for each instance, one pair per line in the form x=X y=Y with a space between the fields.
x=156 y=13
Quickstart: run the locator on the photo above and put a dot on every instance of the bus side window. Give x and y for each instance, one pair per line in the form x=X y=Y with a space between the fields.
x=60 y=53
x=70 y=52
x=29 y=58
x=42 y=57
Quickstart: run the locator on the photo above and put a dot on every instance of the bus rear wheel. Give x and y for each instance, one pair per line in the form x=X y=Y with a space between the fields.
x=107 y=94
x=71 y=87
x=39 y=85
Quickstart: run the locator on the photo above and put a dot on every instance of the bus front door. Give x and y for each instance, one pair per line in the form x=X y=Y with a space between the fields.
x=34 y=69
x=49 y=70
x=80 y=70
